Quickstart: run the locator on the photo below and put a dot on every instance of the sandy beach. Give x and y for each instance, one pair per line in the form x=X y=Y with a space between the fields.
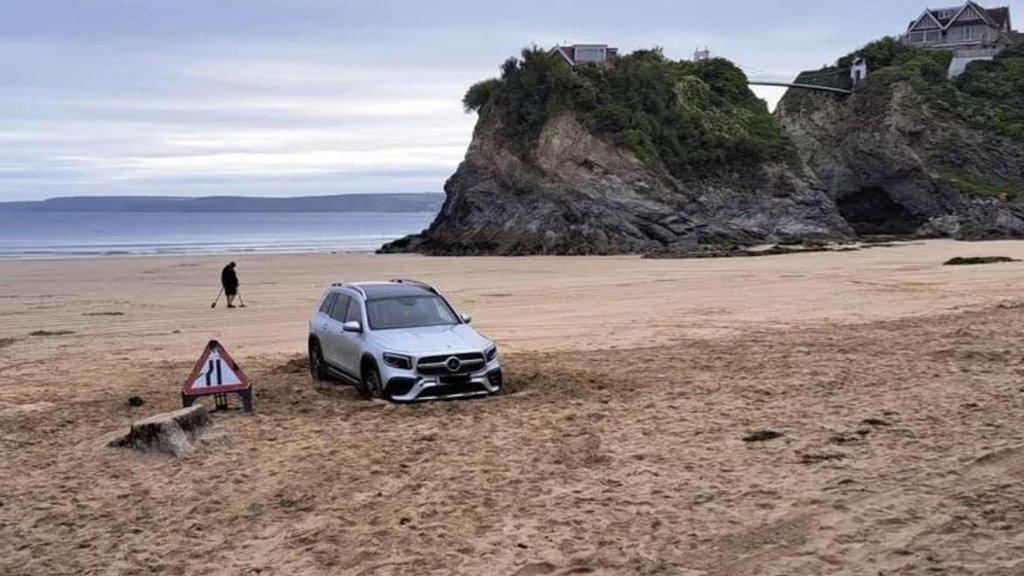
x=897 y=385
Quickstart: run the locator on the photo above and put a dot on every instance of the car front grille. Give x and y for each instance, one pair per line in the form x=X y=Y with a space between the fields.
x=443 y=390
x=442 y=364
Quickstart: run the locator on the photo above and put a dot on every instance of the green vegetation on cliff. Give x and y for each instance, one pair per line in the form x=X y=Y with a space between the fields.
x=974 y=184
x=888 y=59
x=989 y=94
x=687 y=117
x=995 y=92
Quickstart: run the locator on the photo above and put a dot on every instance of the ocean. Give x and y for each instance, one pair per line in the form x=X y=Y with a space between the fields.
x=81 y=234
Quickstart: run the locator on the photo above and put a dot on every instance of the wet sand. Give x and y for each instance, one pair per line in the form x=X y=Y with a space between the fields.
x=896 y=384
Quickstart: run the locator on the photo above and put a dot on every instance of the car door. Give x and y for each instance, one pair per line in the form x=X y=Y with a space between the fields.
x=333 y=332
x=351 y=343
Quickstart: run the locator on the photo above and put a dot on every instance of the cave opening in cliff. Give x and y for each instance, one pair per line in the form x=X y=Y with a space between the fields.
x=872 y=211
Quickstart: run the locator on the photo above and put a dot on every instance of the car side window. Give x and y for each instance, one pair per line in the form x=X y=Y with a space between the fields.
x=353 y=312
x=340 y=308
x=325 y=307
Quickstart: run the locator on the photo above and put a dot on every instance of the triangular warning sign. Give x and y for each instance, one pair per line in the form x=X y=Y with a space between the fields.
x=215 y=373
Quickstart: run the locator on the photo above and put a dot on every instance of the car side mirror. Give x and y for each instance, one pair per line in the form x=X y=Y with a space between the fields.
x=352 y=326
x=466 y=318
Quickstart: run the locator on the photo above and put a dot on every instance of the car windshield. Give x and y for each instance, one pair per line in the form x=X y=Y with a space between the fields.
x=409 y=312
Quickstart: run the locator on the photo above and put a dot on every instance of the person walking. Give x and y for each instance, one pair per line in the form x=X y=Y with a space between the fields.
x=229 y=280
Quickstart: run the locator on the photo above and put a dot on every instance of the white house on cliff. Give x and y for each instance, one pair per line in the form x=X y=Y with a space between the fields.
x=970 y=31
x=599 y=54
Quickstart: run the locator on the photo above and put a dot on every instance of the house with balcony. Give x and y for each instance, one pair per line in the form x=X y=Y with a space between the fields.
x=600 y=54
x=966 y=27
x=970 y=31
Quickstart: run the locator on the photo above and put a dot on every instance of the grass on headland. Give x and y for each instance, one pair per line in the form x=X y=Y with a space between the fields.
x=686 y=117
x=988 y=94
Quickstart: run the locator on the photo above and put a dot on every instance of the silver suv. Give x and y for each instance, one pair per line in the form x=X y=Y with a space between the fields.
x=401 y=341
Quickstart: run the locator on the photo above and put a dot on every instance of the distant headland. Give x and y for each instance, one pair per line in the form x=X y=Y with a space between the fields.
x=413 y=202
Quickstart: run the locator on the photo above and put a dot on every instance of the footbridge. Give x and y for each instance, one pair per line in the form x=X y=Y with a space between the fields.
x=799 y=86
x=823 y=81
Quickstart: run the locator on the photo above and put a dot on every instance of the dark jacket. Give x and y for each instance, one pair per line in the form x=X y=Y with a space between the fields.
x=229 y=279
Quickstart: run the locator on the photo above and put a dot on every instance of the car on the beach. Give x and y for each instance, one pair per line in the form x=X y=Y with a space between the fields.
x=400 y=341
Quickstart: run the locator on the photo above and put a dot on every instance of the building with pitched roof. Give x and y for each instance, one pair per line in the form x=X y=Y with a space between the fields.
x=965 y=27
x=971 y=31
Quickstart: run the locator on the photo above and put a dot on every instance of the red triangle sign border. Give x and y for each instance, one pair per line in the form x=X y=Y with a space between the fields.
x=212 y=345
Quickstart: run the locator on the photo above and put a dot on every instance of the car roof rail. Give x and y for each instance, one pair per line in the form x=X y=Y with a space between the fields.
x=423 y=285
x=349 y=285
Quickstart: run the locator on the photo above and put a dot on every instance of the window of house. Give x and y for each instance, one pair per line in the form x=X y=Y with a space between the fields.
x=590 y=54
x=931 y=36
x=916 y=37
x=971 y=33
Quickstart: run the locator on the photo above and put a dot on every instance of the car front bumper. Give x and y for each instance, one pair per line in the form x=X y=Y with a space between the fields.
x=413 y=387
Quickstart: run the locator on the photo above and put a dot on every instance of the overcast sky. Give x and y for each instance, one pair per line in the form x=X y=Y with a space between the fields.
x=289 y=97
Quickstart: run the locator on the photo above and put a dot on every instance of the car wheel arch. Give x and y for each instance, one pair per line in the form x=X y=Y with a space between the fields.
x=368 y=361
x=317 y=366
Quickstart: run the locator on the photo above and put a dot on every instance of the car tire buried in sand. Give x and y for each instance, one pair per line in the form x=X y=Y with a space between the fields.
x=370 y=387
x=317 y=366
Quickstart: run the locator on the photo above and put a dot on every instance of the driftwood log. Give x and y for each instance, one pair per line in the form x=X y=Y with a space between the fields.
x=170 y=433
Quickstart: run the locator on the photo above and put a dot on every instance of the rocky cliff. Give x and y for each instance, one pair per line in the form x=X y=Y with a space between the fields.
x=577 y=194
x=575 y=190
x=912 y=153
x=655 y=156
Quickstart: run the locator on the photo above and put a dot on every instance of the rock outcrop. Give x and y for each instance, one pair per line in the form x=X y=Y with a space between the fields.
x=656 y=156
x=575 y=193
x=895 y=164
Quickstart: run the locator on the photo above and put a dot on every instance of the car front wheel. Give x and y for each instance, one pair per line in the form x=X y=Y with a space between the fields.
x=371 y=385
x=317 y=366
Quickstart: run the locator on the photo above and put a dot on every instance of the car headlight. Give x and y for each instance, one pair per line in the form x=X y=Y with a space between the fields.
x=398 y=361
x=491 y=353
